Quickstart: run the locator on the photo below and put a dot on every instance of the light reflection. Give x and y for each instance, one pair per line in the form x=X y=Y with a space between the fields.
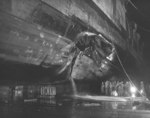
x=133 y=95
x=134 y=108
x=42 y=35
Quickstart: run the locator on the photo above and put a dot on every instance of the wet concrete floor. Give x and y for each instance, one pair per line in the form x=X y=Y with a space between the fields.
x=76 y=108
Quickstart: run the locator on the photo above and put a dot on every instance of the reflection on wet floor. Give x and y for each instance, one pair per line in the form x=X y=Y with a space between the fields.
x=75 y=108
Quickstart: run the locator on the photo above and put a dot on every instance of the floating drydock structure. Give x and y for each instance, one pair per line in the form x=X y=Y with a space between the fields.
x=76 y=37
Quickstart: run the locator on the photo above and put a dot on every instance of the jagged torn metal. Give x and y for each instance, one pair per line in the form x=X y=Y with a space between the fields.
x=90 y=54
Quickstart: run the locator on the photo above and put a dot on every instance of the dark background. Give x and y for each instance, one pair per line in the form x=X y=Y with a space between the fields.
x=139 y=12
